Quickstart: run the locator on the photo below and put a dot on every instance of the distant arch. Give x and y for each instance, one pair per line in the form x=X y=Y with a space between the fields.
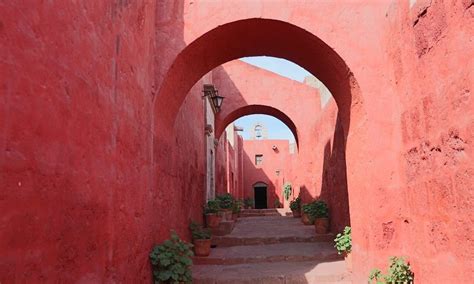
x=256 y=109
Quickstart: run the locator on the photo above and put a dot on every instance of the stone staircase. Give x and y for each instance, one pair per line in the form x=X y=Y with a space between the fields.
x=271 y=248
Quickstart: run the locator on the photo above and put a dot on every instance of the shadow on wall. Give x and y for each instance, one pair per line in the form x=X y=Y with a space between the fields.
x=334 y=188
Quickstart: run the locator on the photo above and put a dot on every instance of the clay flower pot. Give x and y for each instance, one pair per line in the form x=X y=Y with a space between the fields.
x=234 y=216
x=296 y=213
x=305 y=219
x=202 y=247
x=226 y=214
x=321 y=225
x=348 y=259
x=213 y=220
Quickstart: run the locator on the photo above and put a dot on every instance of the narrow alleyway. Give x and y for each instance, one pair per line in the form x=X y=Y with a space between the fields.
x=271 y=248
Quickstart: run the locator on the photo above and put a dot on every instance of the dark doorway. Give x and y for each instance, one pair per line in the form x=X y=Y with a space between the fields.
x=260 y=197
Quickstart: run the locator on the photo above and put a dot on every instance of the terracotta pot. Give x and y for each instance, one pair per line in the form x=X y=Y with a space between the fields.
x=202 y=247
x=321 y=225
x=348 y=259
x=296 y=213
x=234 y=216
x=305 y=219
x=226 y=214
x=213 y=220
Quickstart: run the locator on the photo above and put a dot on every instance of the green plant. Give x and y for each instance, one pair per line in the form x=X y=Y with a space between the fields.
x=236 y=206
x=212 y=207
x=287 y=191
x=399 y=271
x=316 y=209
x=248 y=202
x=199 y=232
x=225 y=201
x=295 y=205
x=376 y=274
x=277 y=203
x=343 y=241
x=171 y=261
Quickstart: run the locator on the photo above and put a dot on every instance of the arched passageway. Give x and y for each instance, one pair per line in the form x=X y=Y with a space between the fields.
x=253 y=37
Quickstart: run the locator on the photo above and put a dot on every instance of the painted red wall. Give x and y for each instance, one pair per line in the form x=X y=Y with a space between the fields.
x=273 y=160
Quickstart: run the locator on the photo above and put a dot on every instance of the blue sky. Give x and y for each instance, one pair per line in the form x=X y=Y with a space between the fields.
x=276 y=128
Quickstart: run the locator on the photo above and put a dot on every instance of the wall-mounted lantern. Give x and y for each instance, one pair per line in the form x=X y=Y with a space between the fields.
x=213 y=94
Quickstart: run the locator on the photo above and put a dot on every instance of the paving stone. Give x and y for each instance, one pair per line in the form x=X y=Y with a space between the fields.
x=270 y=253
x=271 y=249
x=275 y=272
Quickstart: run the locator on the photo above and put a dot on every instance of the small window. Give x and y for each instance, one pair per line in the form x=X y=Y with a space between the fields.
x=258 y=159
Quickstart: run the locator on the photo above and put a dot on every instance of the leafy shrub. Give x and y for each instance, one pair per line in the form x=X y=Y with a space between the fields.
x=287 y=191
x=225 y=201
x=277 y=203
x=171 y=261
x=343 y=241
x=236 y=206
x=199 y=232
x=316 y=209
x=295 y=205
x=212 y=207
x=248 y=202
x=399 y=271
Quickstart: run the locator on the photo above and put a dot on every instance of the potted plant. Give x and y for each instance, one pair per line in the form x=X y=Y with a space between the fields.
x=295 y=206
x=321 y=217
x=399 y=271
x=211 y=211
x=343 y=244
x=248 y=203
x=236 y=207
x=171 y=261
x=277 y=203
x=287 y=191
x=307 y=213
x=225 y=204
x=201 y=239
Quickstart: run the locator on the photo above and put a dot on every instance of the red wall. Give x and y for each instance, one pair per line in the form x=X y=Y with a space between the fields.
x=266 y=172
x=96 y=152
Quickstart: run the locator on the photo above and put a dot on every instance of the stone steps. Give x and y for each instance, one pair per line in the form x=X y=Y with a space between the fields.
x=272 y=273
x=229 y=240
x=271 y=249
x=291 y=252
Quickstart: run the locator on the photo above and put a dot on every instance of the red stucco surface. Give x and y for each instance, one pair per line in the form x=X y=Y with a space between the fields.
x=99 y=158
x=273 y=160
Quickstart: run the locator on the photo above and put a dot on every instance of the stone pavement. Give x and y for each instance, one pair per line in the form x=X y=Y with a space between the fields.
x=271 y=249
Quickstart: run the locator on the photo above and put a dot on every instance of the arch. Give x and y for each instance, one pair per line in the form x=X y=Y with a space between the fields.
x=254 y=37
x=259 y=183
x=256 y=109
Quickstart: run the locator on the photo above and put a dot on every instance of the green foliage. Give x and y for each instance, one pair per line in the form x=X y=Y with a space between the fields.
x=198 y=232
x=277 y=203
x=236 y=206
x=316 y=209
x=376 y=274
x=295 y=205
x=212 y=207
x=287 y=191
x=248 y=202
x=171 y=261
x=225 y=201
x=399 y=271
x=343 y=241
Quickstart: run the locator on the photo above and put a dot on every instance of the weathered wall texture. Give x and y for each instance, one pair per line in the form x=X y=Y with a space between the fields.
x=75 y=148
